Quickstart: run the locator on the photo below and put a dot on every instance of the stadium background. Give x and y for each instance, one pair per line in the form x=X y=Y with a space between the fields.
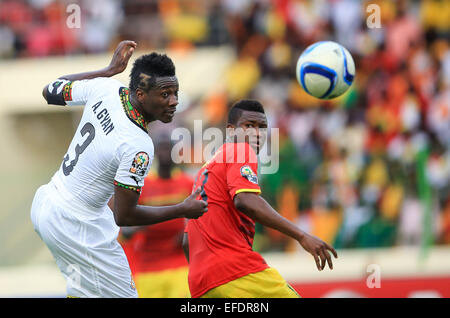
x=368 y=172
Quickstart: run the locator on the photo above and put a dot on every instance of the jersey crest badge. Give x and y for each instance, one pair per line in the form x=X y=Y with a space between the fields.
x=140 y=164
x=248 y=173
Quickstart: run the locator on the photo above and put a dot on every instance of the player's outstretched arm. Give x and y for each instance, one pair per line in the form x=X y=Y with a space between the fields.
x=128 y=213
x=260 y=211
x=117 y=65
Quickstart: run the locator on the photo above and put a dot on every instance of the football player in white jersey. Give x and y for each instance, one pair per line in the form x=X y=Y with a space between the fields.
x=110 y=154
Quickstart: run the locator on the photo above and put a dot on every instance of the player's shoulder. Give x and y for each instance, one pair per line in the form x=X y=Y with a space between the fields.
x=231 y=153
x=240 y=152
x=134 y=139
x=136 y=142
x=237 y=146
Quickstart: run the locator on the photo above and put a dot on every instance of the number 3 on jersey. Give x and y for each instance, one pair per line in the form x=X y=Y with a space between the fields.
x=88 y=129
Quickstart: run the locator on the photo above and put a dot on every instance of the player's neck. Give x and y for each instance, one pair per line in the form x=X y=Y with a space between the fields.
x=132 y=112
x=137 y=105
x=165 y=172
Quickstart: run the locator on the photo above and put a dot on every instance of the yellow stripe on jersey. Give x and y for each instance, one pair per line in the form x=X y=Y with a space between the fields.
x=248 y=190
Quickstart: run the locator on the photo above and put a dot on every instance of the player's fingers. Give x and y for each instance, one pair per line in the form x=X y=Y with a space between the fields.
x=196 y=192
x=316 y=258
x=121 y=48
x=332 y=250
x=323 y=259
x=328 y=257
x=129 y=53
x=124 y=48
x=132 y=44
x=127 y=43
x=202 y=204
x=202 y=211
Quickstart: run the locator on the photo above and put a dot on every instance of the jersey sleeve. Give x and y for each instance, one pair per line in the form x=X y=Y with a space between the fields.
x=242 y=174
x=72 y=93
x=135 y=163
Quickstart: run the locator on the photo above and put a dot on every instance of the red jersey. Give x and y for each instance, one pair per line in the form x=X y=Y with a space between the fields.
x=158 y=247
x=220 y=241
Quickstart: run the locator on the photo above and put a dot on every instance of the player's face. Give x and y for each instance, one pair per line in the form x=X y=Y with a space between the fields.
x=160 y=102
x=252 y=127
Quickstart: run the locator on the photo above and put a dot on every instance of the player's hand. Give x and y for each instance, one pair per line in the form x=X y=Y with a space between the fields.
x=121 y=57
x=193 y=208
x=319 y=250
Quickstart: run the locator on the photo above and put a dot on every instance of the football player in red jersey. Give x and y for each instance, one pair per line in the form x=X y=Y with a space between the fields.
x=218 y=245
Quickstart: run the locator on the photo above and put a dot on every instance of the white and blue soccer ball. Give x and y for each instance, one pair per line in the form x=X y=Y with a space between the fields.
x=325 y=70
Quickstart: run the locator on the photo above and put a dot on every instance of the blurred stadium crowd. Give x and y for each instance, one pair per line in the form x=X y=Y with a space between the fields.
x=369 y=169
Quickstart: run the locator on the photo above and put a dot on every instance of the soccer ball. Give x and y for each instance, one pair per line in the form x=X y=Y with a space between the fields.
x=325 y=69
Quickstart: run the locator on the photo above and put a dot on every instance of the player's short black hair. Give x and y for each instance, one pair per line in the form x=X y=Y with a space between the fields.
x=244 y=104
x=154 y=65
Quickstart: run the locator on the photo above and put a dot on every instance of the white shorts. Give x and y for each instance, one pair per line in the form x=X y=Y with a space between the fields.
x=85 y=249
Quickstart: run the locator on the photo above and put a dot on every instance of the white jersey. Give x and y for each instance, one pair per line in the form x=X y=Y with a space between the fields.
x=111 y=145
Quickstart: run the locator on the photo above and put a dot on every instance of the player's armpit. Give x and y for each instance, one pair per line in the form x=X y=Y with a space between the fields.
x=245 y=201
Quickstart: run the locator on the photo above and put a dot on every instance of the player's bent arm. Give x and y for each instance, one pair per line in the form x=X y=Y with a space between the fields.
x=128 y=213
x=117 y=65
x=126 y=232
x=75 y=77
x=260 y=211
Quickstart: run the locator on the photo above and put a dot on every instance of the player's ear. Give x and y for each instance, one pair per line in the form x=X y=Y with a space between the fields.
x=139 y=94
x=230 y=130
